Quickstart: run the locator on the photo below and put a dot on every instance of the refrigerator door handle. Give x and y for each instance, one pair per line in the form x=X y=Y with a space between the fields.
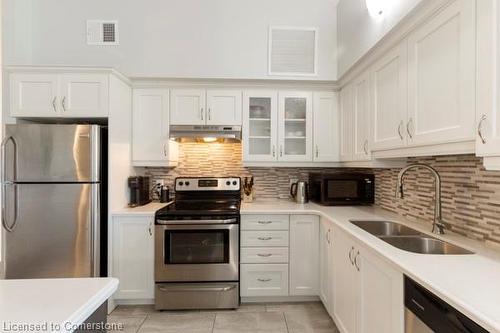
x=95 y=230
x=5 y=183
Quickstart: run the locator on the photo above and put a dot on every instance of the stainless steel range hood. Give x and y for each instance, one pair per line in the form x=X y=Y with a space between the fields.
x=205 y=133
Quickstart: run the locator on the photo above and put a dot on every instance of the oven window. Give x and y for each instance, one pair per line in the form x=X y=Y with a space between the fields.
x=340 y=189
x=196 y=247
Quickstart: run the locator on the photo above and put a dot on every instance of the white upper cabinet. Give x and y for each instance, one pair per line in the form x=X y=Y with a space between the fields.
x=150 y=127
x=84 y=95
x=224 y=107
x=295 y=126
x=304 y=263
x=187 y=107
x=260 y=126
x=326 y=127
x=346 y=123
x=441 y=76
x=54 y=95
x=389 y=99
x=361 y=119
x=34 y=95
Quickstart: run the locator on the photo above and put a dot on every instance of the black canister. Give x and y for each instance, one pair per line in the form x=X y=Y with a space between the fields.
x=164 y=194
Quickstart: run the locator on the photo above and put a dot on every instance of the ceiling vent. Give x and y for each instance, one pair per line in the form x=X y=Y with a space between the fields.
x=101 y=32
x=293 y=51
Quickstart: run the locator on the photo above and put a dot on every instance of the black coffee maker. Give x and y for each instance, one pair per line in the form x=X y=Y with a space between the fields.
x=139 y=191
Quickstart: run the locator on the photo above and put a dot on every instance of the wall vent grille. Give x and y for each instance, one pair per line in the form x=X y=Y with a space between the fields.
x=100 y=32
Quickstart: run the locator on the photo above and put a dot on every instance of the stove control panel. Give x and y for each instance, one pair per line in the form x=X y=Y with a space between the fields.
x=208 y=184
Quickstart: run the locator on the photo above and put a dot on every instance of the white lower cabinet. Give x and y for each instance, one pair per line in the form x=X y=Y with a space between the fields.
x=368 y=292
x=304 y=255
x=264 y=280
x=326 y=264
x=133 y=257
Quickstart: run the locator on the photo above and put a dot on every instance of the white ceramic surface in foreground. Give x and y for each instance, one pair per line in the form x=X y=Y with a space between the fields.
x=468 y=282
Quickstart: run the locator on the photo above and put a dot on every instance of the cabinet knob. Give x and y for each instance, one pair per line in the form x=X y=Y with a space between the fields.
x=350 y=255
x=54 y=104
x=399 y=130
x=356 y=261
x=365 y=147
x=64 y=103
x=409 y=125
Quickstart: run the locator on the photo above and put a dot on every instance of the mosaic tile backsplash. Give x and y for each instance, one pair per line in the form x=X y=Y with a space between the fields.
x=470 y=194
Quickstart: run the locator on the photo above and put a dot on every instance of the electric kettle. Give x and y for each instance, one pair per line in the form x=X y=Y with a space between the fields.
x=299 y=192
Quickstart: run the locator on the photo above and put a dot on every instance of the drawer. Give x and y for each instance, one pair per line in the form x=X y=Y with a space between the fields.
x=264 y=238
x=264 y=280
x=264 y=255
x=265 y=222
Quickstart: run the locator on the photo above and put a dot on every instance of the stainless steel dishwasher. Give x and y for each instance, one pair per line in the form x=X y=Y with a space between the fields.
x=425 y=312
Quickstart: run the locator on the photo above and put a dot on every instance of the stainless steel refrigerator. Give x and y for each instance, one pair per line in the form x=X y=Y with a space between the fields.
x=53 y=193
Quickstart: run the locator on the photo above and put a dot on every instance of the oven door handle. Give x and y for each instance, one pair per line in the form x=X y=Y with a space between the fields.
x=207 y=289
x=177 y=222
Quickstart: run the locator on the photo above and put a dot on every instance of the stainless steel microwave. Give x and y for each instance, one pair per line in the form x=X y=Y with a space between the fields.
x=336 y=189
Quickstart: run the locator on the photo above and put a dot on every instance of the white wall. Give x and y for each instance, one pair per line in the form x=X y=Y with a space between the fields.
x=166 y=38
x=358 y=32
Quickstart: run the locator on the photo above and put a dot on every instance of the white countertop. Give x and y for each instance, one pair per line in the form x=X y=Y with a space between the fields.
x=146 y=210
x=471 y=283
x=63 y=302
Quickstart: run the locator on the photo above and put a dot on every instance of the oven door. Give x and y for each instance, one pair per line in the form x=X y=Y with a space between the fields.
x=196 y=252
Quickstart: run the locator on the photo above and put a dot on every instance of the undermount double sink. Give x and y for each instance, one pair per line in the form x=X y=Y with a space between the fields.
x=408 y=239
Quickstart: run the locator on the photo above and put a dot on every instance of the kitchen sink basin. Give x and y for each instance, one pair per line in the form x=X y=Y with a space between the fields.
x=408 y=239
x=385 y=228
x=424 y=244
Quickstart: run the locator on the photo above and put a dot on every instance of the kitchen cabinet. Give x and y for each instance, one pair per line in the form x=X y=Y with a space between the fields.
x=326 y=263
x=260 y=126
x=441 y=77
x=264 y=280
x=346 y=121
x=304 y=254
x=326 y=127
x=205 y=107
x=150 y=129
x=361 y=119
x=295 y=126
x=368 y=292
x=389 y=109
x=54 y=94
x=133 y=257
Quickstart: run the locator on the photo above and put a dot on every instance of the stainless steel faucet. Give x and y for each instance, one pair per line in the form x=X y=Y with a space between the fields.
x=437 y=226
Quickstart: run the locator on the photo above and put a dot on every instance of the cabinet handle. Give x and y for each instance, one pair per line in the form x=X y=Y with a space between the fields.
x=201 y=113
x=274 y=151
x=64 y=103
x=399 y=130
x=265 y=222
x=408 y=130
x=317 y=151
x=150 y=230
x=165 y=149
x=54 y=104
x=480 y=129
x=350 y=255
x=328 y=236
x=263 y=280
x=356 y=261
x=365 y=147
x=265 y=255
x=281 y=150
x=264 y=238
x=209 y=114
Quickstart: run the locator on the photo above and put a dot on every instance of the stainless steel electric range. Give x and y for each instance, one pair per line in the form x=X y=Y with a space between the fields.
x=197 y=246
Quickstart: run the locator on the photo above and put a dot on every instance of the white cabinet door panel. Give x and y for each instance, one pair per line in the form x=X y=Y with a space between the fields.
x=389 y=99
x=84 y=95
x=264 y=280
x=264 y=255
x=441 y=63
x=361 y=118
x=187 y=107
x=346 y=123
x=265 y=222
x=326 y=127
x=264 y=238
x=304 y=255
x=34 y=95
x=224 y=107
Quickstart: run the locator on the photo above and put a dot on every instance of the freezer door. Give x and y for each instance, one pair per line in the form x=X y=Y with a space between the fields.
x=53 y=236
x=51 y=153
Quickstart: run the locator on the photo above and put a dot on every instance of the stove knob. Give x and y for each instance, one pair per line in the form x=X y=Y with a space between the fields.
x=181 y=183
x=187 y=183
x=235 y=182
x=228 y=183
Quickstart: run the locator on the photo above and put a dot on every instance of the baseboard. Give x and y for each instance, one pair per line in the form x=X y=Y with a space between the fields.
x=280 y=299
x=134 y=301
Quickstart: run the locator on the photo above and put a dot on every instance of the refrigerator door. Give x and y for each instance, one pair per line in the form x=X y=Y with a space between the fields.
x=56 y=232
x=51 y=153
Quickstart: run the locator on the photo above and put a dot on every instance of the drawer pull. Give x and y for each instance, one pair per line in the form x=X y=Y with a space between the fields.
x=265 y=255
x=265 y=222
x=263 y=280
x=264 y=238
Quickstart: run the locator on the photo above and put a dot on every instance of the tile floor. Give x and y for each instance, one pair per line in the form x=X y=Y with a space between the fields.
x=310 y=317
